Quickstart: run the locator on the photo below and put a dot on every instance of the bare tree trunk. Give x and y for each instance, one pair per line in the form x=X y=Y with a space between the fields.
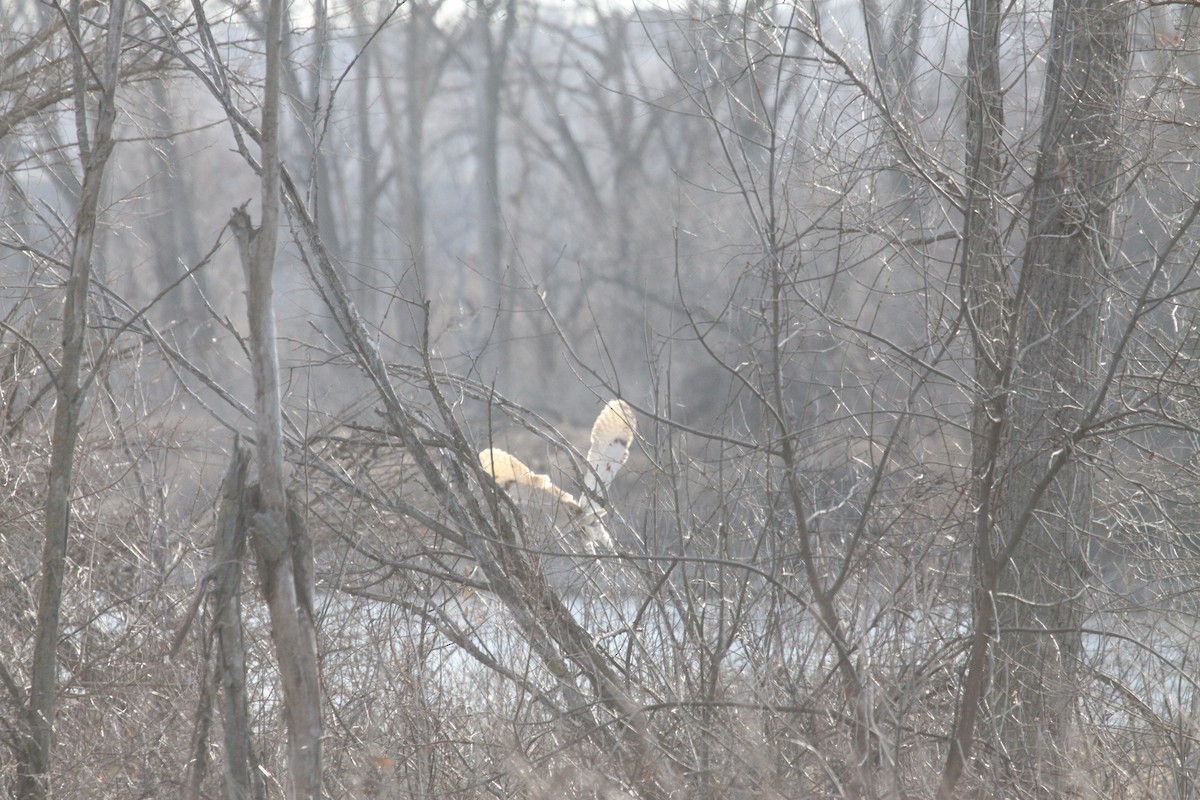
x=1043 y=512
x=412 y=153
x=493 y=55
x=490 y=75
x=422 y=67
x=371 y=182
x=197 y=758
x=984 y=297
x=172 y=233
x=280 y=544
x=95 y=148
x=1036 y=374
x=243 y=779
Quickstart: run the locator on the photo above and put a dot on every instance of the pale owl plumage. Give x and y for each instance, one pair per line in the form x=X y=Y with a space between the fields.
x=519 y=480
x=612 y=436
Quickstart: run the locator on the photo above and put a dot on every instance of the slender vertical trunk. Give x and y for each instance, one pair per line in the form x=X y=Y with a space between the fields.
x=370 y=166
x=494 y=48
x=406 y=132
x=243 y=778
x=413 y=150
x=490 y=77
x=172 y=232
x=328 y=196
x=96 y=146
x=258 y=261
x=280 y=543
x=984 y=298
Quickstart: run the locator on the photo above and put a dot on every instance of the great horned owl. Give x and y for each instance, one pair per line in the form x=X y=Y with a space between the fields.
x=612 y=436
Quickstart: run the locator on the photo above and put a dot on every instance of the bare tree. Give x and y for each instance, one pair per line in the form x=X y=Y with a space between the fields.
x=96 y=143
x=1040 y=388
x=423 y=65
x=1056 y=390
x=985 y=310
x=281 y=545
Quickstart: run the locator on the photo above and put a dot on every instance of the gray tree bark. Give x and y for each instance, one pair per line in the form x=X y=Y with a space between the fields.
x=423 y=66
x=33 y=780
x=1038 y=388
x=491 y=69
x=985 y=298
x=1052 y=386
x=242 y=777
x=280 y=543
x=1044 y=484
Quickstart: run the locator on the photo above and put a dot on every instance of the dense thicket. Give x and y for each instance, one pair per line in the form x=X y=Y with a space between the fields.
x=901 y=294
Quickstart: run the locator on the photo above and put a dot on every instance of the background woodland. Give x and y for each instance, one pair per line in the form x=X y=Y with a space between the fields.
x=902 y=294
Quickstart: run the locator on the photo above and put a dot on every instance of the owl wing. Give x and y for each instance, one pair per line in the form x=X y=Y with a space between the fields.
x=612 y=436
x=519 y=480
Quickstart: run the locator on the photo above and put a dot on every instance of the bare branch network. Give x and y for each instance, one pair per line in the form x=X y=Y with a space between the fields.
x=689 y=400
